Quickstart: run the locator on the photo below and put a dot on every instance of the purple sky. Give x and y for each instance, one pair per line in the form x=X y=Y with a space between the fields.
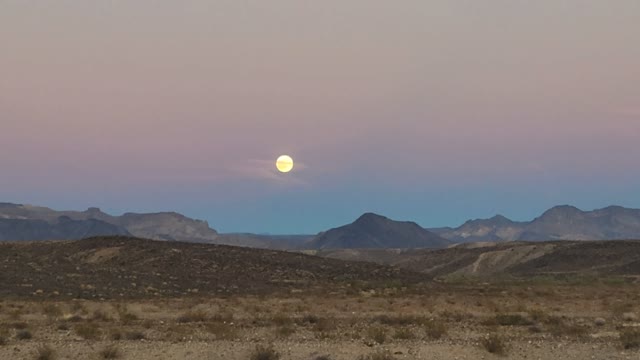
x=433 y=111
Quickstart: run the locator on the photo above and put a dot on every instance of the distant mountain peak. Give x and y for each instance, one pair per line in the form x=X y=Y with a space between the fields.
x=371 y=217
x=376 y=231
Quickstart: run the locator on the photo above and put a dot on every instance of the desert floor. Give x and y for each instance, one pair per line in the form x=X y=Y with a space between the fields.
x=458 y=321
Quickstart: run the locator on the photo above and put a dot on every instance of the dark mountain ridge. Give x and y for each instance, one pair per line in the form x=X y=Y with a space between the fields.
x=376 y=231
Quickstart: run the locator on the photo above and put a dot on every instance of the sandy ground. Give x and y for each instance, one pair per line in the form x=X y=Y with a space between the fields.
x=540 y=322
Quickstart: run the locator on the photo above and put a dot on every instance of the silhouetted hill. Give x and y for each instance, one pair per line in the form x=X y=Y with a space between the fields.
x=62 y=228
x=375 y=231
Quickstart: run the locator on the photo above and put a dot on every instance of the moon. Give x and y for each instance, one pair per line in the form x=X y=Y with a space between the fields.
x=284 y=164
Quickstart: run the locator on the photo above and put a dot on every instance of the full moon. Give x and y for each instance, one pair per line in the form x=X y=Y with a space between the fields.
x=284 y=163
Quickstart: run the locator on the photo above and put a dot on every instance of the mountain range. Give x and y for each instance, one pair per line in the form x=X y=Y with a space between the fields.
x=558 y=223
x=26 y=222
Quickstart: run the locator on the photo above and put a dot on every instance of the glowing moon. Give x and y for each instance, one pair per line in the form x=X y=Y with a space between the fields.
x=284 y=163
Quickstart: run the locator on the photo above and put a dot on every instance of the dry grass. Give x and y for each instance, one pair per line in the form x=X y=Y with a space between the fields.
x=126 y=317
x=262 y=352
x=134 y=335
x=109 y=352
x=24 y=335
x=435 y=329
x=630 y=338
x=192 y=316
x=45 y=352
x=283 y=332
x=377 y=334
x=495 y=344
x=403 y=334
x=379 y=355
x=223 y=331
x=88 y=331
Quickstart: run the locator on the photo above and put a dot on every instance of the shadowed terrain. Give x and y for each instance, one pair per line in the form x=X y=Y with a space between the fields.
x=123 y=267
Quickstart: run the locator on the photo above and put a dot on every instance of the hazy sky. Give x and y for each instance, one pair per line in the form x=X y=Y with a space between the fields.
x=432 y=111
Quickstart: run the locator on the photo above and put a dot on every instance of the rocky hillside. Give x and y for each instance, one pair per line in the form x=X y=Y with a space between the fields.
x=520 y=259
x=558 y=223
x=123 y=267
x=158 y=226
x=375 y=231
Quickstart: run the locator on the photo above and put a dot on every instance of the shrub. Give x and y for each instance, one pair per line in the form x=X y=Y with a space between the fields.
x=51 y=311
x=24 y=335
x=100 y=315
x=494 y=344
x=403 y=334
x=134 y=335
x=45 y=352
x=3 y=340
x=265 y=353
x=399 y=320
x=125 y=316
x=310 y=319
x=223 y=331
x=509 y=320
x=88 y=331
x=281 y=320
x=380 y=355
x=630 y=338
x=19 y=325
x=110 y=352
x=285 y=331
x=325 y=325
x=377 y=334
x=192 y=316
x=435 y=329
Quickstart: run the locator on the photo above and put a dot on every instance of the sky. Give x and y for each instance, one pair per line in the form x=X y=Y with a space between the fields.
x=431 y=111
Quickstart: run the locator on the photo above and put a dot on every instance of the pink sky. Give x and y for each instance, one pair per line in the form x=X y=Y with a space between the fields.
x=109 y=103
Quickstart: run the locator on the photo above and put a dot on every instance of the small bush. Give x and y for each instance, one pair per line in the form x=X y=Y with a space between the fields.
x=192 y=316
x=377 y=334
x=380 y=355
x=88 y=331
x=509 y=320
x=403 y=334
x=495 y=344
x=435 y=329
x=402 y=320
x=134 y=335
x=310 y=319
x=126 y=317
x=324 y=325
x=19 y=325
x=45 y=352
x=63 y=326
x=24 y=335
x=265 y=353
x=630 y=338
x=3 y=340
x=109 y=352
x=222 y=331
x=281 y=320
x=285 y=331
x=100 y=315
x=51 y=311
